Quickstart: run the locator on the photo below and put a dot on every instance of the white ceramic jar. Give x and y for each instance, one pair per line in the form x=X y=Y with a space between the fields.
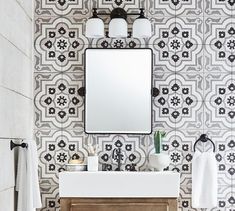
x=92 y=163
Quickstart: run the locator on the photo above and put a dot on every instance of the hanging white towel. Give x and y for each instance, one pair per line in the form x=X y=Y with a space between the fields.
x=204 y=180
x=27 y=183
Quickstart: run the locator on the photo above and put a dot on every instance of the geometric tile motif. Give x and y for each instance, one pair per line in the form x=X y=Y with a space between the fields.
x=163 y=107
x=55 y=149
x=221 y=42
x=172 y=8
x=46 y=100
x=61 y=7
x=117 y=43
x=226 y=158
x=57 y=100
x=50 y=198
x=219 y=7
x=59 y=44
x=179 y=100
x=189 y=89
x=176 y=42
x=220 y=100
x=226 y=198
x=133 y=153
x=73 y=108
x=128 y=5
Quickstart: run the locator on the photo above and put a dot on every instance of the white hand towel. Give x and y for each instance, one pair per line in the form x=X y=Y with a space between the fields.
x=27 y=183
x=204 y=180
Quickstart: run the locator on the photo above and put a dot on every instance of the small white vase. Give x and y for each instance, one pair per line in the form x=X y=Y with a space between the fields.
x=92 y=163
x=159 y=161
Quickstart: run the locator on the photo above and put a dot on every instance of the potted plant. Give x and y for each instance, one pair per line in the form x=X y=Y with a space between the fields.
x=159 y=160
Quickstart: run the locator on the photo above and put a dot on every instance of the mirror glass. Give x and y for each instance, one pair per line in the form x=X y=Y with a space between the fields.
x=118 y=91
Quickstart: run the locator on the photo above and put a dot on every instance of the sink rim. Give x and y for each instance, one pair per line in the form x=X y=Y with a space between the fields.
x=119 y=172
x=105 y=184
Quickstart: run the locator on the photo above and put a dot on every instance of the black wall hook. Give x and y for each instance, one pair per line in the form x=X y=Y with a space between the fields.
x=204 y=138
x=82 y=91
x=13 y=145
x=155 y=92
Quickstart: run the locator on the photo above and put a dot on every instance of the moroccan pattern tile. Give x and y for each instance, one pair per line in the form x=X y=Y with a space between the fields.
x=219 y=100
x=177 y=43
x=226 y=158
x=128 y=5
x=219 y=39
x=180 y=100
x=118 y=43
x=57 y=102
x=47 y=110
x=132 y=150
x=59 y=44
x=172 y=8
x=50 y=198
x=55 y=149
x=61 y=7
x=219 y=7
x=193 y=45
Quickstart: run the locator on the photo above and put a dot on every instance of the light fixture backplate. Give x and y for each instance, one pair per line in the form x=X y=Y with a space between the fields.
x=118 y=13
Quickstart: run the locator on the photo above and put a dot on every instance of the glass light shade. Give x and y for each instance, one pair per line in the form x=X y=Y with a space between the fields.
x=94 y=28
x=118 y=27
x=142 y=28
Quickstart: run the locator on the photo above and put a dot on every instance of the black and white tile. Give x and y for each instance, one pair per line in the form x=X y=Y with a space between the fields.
x=50 y=198
x=193 y=47
x=62 y=7
x=219 y=101
x=59 y=44
x=129 y=5
x=55 y=149
x=175 y=8
x=218 y=8
x=132 y=148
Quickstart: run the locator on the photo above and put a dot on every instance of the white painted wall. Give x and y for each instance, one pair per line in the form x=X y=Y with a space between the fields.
x=16 y=72
x=16 y=95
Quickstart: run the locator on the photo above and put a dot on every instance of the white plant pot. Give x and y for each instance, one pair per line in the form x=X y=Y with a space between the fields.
x=159 y=161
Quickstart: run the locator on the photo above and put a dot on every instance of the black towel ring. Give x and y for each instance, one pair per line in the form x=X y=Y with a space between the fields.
x=204 y=138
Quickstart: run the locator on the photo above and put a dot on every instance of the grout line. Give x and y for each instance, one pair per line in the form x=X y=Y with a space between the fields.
x=21 y=6
x=6 y=189
x=15 y=46
x=12 y=90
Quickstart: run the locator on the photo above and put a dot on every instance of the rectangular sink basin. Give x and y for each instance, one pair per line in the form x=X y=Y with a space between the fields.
x=119 y=184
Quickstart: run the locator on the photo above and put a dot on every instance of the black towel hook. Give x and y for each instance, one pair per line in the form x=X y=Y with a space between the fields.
x=13 y=145
x=204 y=138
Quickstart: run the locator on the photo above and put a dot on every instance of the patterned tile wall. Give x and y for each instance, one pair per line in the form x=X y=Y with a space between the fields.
x=194 y=57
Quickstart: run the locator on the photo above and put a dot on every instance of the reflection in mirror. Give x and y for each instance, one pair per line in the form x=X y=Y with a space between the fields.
x=118 y=91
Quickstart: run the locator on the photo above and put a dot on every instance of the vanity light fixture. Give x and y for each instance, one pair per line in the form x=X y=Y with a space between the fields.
x=118 y=25
x=95 y=26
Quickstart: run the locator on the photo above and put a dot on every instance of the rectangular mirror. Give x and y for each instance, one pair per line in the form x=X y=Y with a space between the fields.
x=118 y=91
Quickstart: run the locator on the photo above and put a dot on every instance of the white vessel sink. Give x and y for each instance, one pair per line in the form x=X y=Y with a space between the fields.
x=119 y=184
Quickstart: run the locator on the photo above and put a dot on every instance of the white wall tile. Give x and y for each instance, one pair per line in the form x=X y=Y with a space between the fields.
x=15 y=69
x=7 y=175
x=16 y=26
x=27 y=6
x=7 y=200
x=16 y=115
